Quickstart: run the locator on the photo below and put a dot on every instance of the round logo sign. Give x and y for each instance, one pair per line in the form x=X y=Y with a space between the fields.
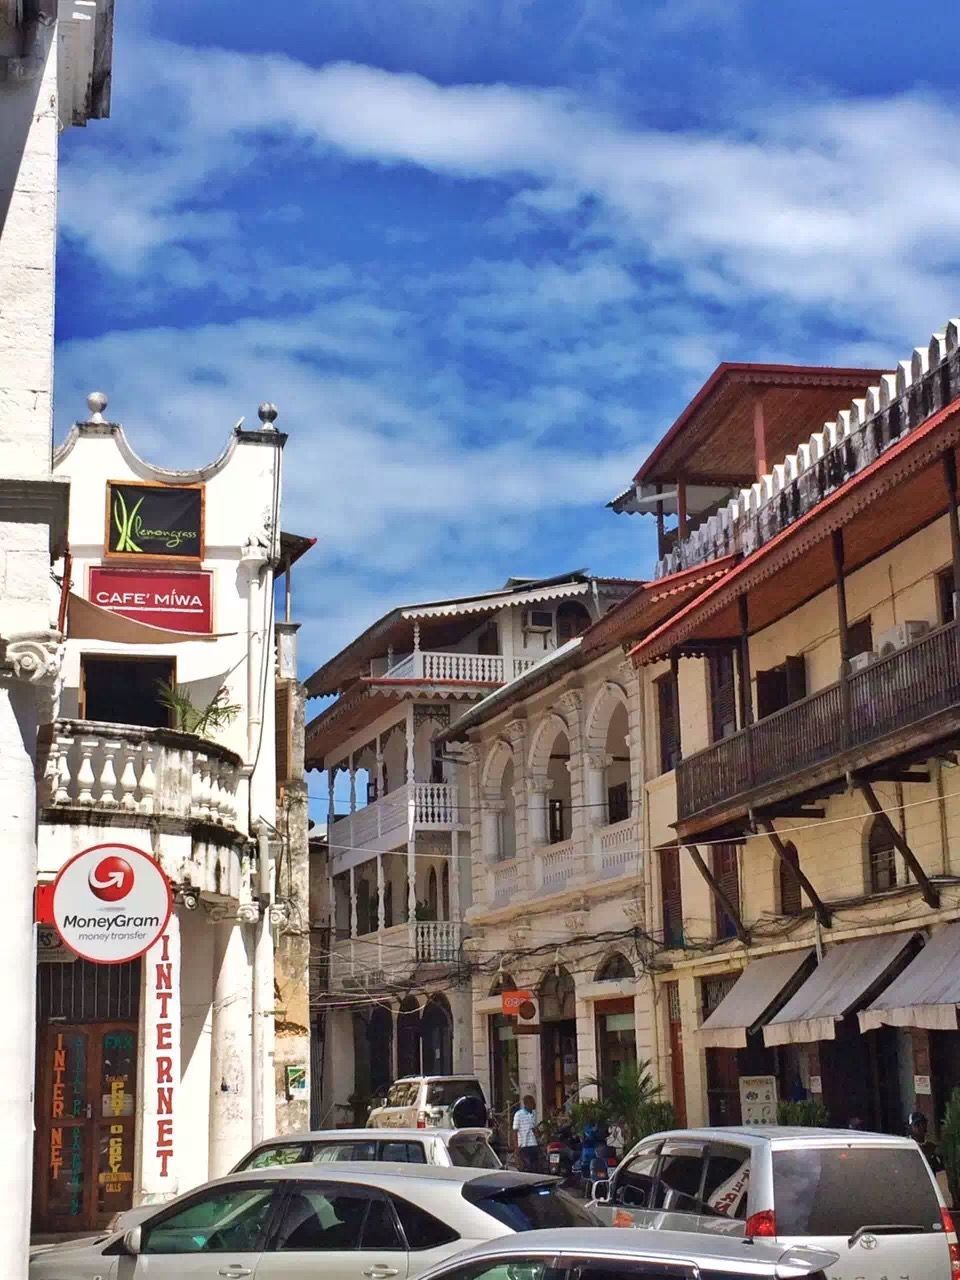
x=111 y=903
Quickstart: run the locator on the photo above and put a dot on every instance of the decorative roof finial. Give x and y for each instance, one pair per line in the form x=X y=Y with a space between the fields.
x=96 y=403
x=268 y=414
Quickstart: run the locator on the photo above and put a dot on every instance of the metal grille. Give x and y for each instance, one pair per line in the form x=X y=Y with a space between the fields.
x=83 y=992
x=713 y=990
x=673 y=1002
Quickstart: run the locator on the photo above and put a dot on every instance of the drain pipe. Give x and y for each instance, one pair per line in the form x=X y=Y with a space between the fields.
x=263 y=1092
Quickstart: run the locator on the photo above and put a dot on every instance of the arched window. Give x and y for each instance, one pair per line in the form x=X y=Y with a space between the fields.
x=572 y=620
x=882 y=858
x=790 y=901
x=558 y=999
x=445 y=892
x=502 y=982
x=614 y=968
x=617 y=773
x=506 y=818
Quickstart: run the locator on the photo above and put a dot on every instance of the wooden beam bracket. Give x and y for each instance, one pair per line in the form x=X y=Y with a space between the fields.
x=929 y=893
x=820 y=909
x=722 y=900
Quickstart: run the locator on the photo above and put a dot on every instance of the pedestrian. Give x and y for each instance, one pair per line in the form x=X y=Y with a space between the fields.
x=917 y=1127
x=525 y=1141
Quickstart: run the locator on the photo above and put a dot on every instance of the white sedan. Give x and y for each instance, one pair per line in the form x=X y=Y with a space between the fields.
x=341 y=1221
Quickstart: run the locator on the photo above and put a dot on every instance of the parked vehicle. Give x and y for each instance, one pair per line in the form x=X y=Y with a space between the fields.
x=657 y=1255
x=869 y=1198
x=373 y=1220
x=425 y=1102
x=445 y=1148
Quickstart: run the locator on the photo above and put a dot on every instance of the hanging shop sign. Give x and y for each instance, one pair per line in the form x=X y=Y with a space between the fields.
x=175 y=599
x=111 y=903
x=154 y=520
x=161 y=1063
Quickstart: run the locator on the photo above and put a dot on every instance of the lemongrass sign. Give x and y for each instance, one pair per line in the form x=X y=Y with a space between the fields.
x=111 y=903
x=154 y=520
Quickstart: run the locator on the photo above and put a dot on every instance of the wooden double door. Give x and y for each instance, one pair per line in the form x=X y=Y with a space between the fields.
x=85 y=1114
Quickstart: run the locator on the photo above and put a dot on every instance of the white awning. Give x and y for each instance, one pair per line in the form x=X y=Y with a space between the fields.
x=927 y=993
x=754 y=994
x=486 y=604
x=845 y=977
x=88 y=621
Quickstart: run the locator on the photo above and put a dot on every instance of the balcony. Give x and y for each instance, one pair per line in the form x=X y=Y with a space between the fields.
x=457 y=668
x=384 y=824
x=899 y=703
x=118 y=769
x=373 y=960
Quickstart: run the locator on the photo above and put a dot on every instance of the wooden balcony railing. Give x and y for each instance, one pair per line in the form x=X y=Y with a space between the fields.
x=893 y=693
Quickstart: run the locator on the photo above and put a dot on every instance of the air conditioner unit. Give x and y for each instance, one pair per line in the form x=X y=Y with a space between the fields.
x=900 y=636
x=860 y=661
x=537 y=620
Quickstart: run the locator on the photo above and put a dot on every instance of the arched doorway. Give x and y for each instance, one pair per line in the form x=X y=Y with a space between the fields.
x=379 y=1041
x=572 y=620
x=436 y=1037
x=504 y=1063
x=558 y=1038
x=615 y=1024
x=408 y=1037
x=433 y=896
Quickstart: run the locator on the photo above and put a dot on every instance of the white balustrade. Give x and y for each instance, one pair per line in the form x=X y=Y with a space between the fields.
x=557 y=865
x=384 y=822
x=436 y=804
x=467 y=668
x=152 y=773
x=438 y=941
x=617 y=849
x=505 y=883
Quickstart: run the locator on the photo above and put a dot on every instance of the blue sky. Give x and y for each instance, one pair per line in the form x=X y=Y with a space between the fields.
x=481 y=252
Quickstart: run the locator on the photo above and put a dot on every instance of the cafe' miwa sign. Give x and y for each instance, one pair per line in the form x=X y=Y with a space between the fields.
x=147 y=520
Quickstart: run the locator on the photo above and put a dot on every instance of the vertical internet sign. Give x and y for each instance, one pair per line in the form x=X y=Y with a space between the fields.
x=160 y=1037
x=145 y=520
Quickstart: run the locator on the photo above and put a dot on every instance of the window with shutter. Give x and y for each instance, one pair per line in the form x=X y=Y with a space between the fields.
x=671 y=899
x=667 y=725
x=781 y=685
x=883 y=859
x=726 y=872
x=790 y=902
x=723 y=698
x=284 y=715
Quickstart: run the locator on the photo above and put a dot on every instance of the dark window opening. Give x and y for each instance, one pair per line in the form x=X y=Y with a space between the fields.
x=124 y=691
x=671 y=897
x=667 y=722
x=572 y=620
x=488 y=641
x=723 y=699
x=618 y=802
x=946 y=596
x=558 y=823
x=726 y=872
x=860 y=637
x=780 y=686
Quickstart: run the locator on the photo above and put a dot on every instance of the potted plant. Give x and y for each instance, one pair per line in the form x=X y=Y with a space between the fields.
x=806 y=1113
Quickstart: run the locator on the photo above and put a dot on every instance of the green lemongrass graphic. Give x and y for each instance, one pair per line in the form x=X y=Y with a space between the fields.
x=124 y=521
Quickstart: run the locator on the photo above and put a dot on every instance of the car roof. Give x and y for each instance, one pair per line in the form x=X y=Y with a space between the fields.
x=428 y=1079
x=377 y=1172
x=668 y=1246
x=358 y=1135
x=781 y=1135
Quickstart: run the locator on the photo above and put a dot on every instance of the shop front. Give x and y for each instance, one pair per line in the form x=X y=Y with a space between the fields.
x=86 y=1099
x=558 y=1040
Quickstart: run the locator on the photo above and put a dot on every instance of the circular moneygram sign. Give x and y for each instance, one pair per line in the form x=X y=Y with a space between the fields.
x=111 y=903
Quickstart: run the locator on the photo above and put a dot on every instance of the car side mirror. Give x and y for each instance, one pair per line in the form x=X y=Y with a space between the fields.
x=601 y=1189
x=133 y=1242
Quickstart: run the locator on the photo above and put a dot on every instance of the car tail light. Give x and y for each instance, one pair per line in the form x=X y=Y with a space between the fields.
x=949 y=1226
x=762 y=1224
x=554 y=1146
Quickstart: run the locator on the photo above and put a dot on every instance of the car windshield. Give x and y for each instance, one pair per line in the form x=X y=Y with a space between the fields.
x=444 y=1093
x=472 y=1151
x=528 y=1207
x=834 y=1191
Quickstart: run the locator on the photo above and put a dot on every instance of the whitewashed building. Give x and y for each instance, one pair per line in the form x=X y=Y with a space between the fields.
x=400 y=882
x=156 y=1074
x=559 y=877
x=55 y=67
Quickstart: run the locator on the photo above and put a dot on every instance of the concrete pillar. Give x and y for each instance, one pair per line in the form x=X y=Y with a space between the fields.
x=263 y=1083
x=230 y=1083
x=596 y=765
x=353 y=787
x=331 y=803
x=198 y=941
x=18 y=817
x=537 y=811
x=381 y=895
x=694 y=1060
x=456 y=909
x=492 y=807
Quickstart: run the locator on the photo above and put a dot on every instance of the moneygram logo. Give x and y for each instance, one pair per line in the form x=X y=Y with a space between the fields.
x=111 y=879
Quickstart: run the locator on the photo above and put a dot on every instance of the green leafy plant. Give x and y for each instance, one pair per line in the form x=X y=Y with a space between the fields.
x=189 y=718
x=950 y=1144
x=806 y=1114
x=125 y=522
x=633 y=1101
x=589 y=1111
